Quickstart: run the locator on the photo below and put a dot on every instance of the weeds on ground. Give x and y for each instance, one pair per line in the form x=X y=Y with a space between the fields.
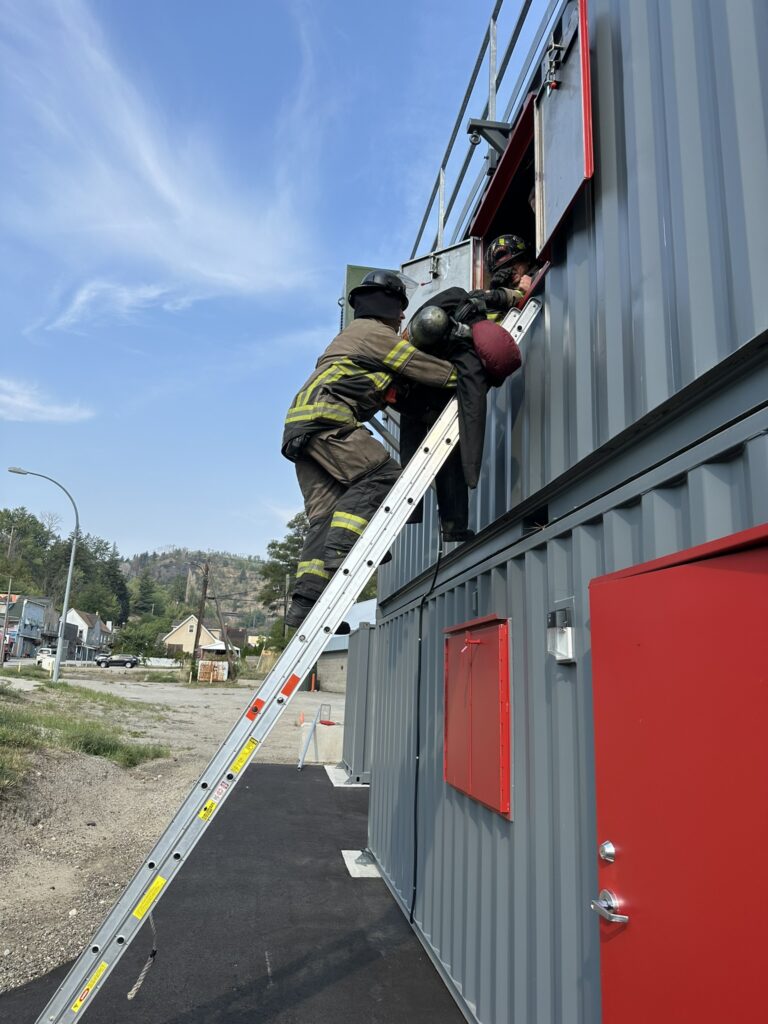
x=109 y=700
x=162 y=677
x=24 y=728
x=25 y=671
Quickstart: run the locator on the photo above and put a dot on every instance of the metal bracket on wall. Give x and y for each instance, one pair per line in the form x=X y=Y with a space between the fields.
x=495 y=133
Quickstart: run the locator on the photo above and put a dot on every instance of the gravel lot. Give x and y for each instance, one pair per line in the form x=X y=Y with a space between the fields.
x=73 y=837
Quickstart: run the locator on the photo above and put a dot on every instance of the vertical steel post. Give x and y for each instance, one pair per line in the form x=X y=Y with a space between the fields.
x=75 y=535
x=492 y=70
x=441 y=207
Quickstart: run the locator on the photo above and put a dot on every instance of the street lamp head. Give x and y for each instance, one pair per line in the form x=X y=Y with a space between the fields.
x=16 y=469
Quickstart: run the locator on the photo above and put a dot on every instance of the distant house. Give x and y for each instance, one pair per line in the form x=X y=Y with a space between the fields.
x=332 y=663
x=93 y=635
x=26 y=618
x=181 y=638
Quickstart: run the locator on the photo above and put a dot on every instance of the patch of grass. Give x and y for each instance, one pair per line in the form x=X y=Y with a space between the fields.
x=102 y=741
x=109 y=700
x=9 y=693
x=26 y=671
x=26 y=728
x=12 y=767
x=162 y=677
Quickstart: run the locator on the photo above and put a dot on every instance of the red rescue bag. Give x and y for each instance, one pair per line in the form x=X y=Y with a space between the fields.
x=498 y=351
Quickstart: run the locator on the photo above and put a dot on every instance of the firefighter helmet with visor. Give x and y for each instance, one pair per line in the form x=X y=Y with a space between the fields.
x=504 y=250
x=386 y=281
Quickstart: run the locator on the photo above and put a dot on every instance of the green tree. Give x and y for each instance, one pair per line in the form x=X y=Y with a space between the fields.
x=115 y=579
x=143 y=637
x=276 y=640
x=283 y=557
x=177 y=589
x=145 y=592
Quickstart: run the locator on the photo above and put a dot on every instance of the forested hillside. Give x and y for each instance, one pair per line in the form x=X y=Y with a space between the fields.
x=165 y=585
x=235 y=579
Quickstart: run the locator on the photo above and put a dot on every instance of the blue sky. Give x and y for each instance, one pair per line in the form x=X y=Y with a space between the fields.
x=182 y=185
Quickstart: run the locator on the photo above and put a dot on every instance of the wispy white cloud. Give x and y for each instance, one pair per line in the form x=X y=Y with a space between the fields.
x=26 y=403
x=299 y=349
x=140 y=206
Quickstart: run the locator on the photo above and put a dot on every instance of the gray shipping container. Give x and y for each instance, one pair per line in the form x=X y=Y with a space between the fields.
x=636 y=428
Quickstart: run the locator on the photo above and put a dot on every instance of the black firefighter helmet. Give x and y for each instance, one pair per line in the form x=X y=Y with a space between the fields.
x=380 y=282
x=504 y=250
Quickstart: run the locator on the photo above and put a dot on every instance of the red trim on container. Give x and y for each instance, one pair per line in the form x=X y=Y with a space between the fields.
x=290 y=686
x=586 y=91
x=754 y=537
x=473 y=624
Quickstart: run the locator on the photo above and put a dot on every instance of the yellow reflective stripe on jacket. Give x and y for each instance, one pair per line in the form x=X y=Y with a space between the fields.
x=314 y=567
x=346 y=521
x=399 y=355
x=339 y=370
x=327 y=376
x=299 y=413
x=453 y=379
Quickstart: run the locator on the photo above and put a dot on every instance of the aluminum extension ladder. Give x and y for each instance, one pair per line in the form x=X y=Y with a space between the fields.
x=160 y=867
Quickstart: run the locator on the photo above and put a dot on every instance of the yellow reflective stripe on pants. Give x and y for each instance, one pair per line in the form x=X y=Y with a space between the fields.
x=346 y=521
x=314 y=567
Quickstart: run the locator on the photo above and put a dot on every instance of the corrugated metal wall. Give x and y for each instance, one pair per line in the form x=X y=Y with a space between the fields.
x=504 y=906
x=660 y=273
x=659 y=276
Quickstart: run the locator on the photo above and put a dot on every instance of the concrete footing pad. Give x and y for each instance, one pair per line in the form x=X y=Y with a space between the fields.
x=339 y=778
x=356 y=870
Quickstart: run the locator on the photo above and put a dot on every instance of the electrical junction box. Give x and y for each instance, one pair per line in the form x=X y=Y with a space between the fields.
x=477 y=757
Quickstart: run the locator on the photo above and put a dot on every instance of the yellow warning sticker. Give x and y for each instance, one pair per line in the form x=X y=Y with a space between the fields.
x=92 y=982
x=208 y=808
x=243 y=756
x=149 y=897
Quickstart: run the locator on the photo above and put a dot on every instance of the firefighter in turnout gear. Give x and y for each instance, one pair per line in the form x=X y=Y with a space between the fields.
x=509 y=261
x=343 y=472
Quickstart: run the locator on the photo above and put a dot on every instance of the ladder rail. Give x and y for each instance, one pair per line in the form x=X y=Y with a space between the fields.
x=158 y=869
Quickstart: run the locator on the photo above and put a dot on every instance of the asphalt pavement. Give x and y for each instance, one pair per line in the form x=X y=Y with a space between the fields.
x=265 y=924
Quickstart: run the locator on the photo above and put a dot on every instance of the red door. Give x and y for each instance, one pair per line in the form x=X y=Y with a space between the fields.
x=680 y=670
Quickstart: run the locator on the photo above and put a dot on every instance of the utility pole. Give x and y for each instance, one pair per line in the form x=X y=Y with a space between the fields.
x=285 y=600
x=225 y=638
x=200 y=614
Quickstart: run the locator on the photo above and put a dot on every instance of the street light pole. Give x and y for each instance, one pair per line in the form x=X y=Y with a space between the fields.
x=7 y=602
x=68 y=588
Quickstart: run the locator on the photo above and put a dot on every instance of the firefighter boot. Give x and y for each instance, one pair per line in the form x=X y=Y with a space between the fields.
x=300 y=609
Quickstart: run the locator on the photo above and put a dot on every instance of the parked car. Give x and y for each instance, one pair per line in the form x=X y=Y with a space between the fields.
x=108 y=660
x=44 y=652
